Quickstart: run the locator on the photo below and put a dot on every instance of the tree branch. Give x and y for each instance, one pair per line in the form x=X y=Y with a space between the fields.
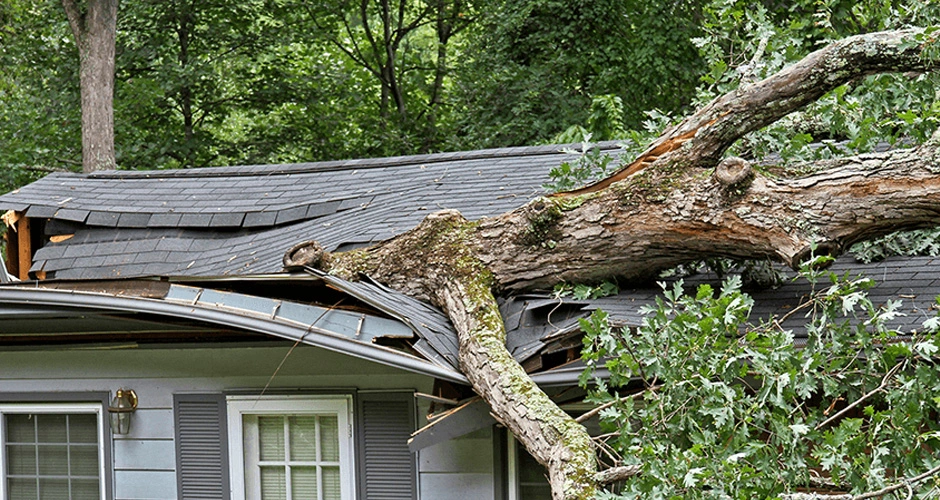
x=905 y=483
x=592 y=413
x=76 y=20
x=876 y=390
x=701 y=139
x=614 y=474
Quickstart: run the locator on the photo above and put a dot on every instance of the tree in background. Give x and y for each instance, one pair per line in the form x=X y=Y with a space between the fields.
x=40 y=119
x=537 y=65
x=94 y=26
x=205 y=82
x=406 y=46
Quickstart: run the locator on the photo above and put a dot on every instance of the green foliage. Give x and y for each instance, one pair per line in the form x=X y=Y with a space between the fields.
x=744 y=42
x=915 y=242
x=581 y=291
x=714 y=407
x=539 y=64
x=40 y=118
x=590 y=164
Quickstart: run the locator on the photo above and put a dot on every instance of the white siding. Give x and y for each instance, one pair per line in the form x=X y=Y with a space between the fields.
x=464 y=464
x=145 y=460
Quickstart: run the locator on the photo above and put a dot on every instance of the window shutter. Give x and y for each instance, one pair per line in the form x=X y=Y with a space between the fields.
x=201 y=446
x=387 y=468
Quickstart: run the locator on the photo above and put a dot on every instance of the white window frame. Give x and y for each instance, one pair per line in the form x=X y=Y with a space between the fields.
x=60 y=408
x=341 y=406
x=514 y=490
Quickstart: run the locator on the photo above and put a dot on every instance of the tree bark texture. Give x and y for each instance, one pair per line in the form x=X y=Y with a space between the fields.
x=94 y=29
x=675 y=203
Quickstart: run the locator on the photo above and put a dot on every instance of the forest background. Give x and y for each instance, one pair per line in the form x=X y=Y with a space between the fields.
x=209 y=82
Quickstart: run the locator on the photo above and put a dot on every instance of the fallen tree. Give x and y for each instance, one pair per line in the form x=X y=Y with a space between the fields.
x=678 y=201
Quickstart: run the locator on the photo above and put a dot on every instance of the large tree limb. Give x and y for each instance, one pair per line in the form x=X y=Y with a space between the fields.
x=707 y=134
x=662 y=210
x=452 y=277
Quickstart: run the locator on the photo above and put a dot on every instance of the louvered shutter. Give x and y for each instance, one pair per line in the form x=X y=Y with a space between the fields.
x=201 y=446
x=386 y=467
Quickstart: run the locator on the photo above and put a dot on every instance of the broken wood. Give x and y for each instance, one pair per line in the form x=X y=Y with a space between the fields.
x=24 y=247
x=471 y=416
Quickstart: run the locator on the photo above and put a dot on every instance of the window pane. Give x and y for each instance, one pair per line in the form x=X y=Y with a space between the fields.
x=535 y=492
x=271 y=437
x=273 y=483
x=329 y=439
x=54 y=489
x=331 y=483
x=53 y=460
x=83 y=428
x=51 y=428
x=47 y=455
x=21 y=459
x=22 y=488
x=303 y=483
x=303 y=438
x=85 y=489
x=84 y=460
x=533 y=485
x=20 y=429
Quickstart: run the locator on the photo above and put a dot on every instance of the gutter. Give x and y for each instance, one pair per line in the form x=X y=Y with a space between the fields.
x=312 y=335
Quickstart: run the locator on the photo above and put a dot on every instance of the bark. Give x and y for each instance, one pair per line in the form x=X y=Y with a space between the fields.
x=666 y=208
x=94 y=30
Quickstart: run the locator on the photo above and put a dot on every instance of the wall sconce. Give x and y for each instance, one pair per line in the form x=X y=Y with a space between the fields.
x=122 y=406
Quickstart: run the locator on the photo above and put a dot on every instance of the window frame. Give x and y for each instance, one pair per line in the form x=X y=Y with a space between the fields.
x=58 y=408
x=341 y=406
x=513 y=467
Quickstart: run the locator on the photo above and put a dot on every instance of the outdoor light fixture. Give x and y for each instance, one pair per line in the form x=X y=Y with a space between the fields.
x=122 y=406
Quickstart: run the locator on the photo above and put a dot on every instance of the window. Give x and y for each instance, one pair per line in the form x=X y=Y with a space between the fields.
x=52 y=451
x=527 y=479
x=291 y=448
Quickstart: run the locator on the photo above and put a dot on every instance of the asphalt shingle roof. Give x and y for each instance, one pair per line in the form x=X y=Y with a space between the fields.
x=240 y=220
x=533 y=321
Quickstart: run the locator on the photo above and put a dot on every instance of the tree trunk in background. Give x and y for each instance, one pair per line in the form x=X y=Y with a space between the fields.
x=95 y=28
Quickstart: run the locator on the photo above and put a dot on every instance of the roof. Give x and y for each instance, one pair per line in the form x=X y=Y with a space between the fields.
x=241 y=220
x=192 y=228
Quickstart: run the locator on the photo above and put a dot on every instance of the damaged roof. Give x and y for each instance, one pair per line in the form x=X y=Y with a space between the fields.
x=191 y=228
x=149 y=311
x=241 y=220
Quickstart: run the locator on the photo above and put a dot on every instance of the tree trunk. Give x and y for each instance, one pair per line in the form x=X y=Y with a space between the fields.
x=667 y=207
x=183 y=31
x=94 y=30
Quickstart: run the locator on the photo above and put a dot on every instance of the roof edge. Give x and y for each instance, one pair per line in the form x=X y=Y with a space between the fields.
x=335 y=343
x=336 y=165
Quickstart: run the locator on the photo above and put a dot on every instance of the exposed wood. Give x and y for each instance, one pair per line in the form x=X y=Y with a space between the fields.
x=471 y=416
x=24 y=247
x=436 y=399
x=59 y=238
x=661 y=210
x=702 y=138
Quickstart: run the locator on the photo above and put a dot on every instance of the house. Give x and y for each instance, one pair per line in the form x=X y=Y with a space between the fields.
x=240 y=377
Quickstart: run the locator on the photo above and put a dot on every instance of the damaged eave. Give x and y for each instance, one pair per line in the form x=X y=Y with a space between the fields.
x=227 y=310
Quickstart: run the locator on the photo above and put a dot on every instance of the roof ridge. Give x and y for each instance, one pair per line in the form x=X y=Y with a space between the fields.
x=339 y=165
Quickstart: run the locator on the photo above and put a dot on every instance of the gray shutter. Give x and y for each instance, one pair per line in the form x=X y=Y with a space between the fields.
x=202 y=470
x=387 y=469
